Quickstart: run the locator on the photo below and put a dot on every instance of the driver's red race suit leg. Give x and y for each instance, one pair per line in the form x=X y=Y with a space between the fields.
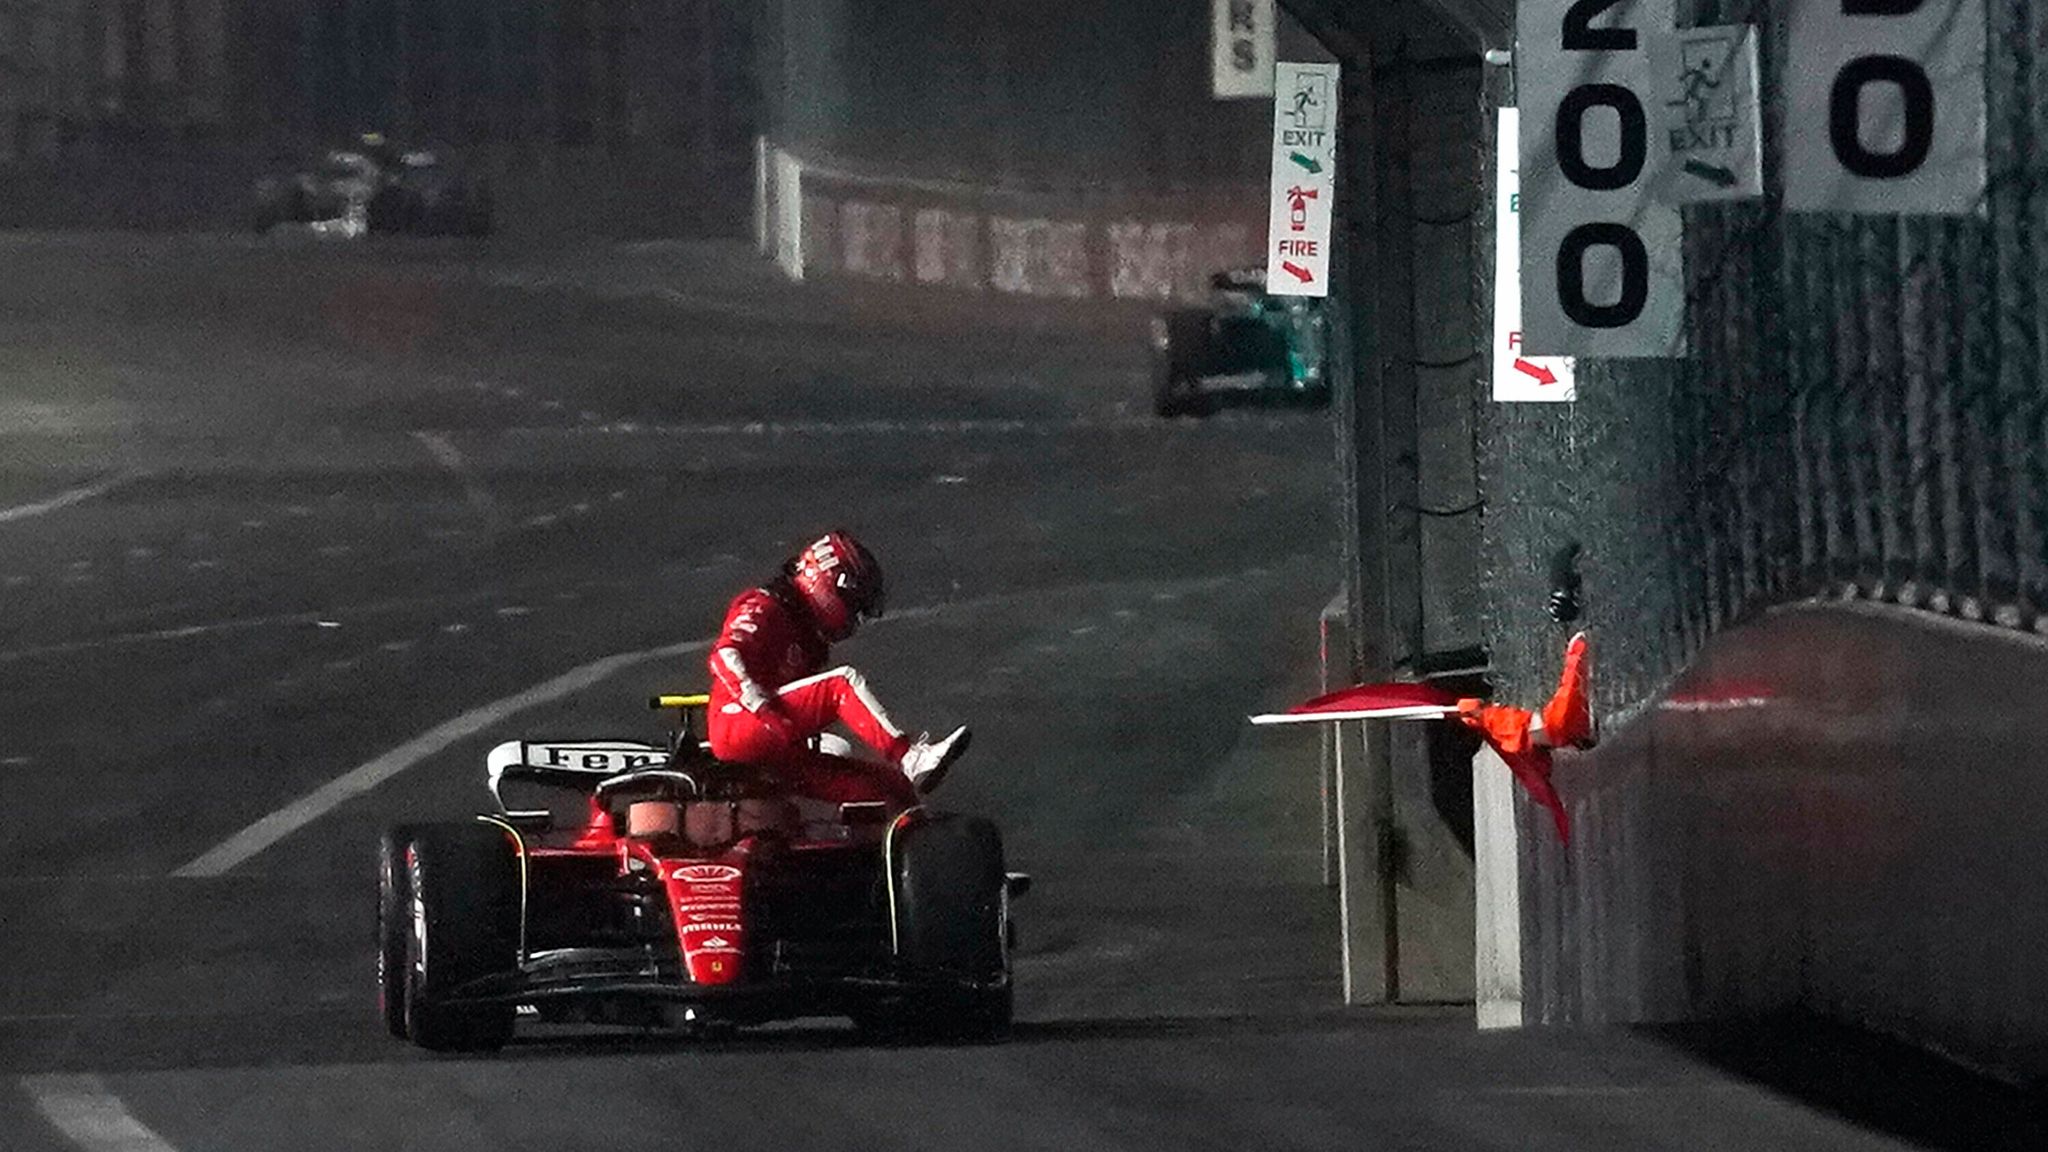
x=842 y=695
x=845 y=780
x=813 y=704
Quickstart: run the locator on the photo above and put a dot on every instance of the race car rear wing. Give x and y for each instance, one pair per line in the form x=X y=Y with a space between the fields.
x=580 y=765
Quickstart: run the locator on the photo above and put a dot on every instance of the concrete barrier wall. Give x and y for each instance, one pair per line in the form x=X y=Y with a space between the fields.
x=1839 y=809
x=822 y=221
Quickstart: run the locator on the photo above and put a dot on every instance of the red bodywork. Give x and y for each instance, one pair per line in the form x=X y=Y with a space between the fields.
x=705 y=877
x=704 y=898
x=648 y=886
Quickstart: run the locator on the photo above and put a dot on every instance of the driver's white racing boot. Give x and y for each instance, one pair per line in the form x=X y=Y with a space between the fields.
x=927 y=760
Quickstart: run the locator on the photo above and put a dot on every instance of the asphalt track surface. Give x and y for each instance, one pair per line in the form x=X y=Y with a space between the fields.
x=278 y=515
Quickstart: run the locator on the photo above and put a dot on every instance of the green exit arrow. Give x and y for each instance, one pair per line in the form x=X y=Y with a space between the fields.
x=1719 y=175
x=1306 y=162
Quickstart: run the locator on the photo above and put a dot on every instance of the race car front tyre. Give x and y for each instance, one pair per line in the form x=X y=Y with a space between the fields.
x=952 y=929
x=394 y=925
x=270 y=206
x=1172 y=395
x=463 y=885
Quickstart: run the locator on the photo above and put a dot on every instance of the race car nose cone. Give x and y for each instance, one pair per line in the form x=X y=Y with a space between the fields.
x=706 y=901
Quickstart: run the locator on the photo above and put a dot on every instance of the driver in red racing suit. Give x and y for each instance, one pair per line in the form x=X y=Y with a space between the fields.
x=770 y=697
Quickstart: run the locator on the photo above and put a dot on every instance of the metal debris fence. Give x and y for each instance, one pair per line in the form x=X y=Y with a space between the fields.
x=1071 y=242
x=1861 y=416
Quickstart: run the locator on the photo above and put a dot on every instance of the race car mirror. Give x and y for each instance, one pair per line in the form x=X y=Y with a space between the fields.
x=710 y=824
x=646 y=818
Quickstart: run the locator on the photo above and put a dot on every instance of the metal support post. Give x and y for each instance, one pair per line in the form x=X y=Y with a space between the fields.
x=1334 y=632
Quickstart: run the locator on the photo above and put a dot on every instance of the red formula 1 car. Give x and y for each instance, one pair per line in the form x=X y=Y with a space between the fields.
x=662 y=887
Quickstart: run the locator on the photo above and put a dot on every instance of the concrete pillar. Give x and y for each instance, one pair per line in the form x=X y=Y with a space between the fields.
x=788 y=194
x=1365 y=884
x=763 y=209
x=812 y=101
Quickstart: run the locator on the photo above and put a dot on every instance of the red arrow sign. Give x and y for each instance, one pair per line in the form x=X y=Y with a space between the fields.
x=1298 y=272
x=1542 y=375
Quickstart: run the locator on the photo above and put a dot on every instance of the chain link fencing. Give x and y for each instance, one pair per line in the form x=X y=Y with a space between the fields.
x=1860 y=416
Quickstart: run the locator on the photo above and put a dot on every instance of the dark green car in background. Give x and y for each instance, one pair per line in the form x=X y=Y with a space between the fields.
x=1244 y=344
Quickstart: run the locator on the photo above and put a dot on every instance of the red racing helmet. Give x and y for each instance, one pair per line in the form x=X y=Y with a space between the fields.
x=841 y=583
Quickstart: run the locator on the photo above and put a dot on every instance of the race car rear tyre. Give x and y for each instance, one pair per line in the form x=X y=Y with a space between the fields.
x=1317 y=396
x=1174 y=395
x=275 y=204
x=952 y=928
x=393 y=209
x=394 y=925
x=463 y=880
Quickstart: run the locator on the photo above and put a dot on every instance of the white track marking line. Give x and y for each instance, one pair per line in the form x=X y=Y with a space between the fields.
x=318 y=619
x=448 y=456
x=160 y=635
x=222 y=857
x=328 y=1004
x=286 y=820
x=66 y=499
x=90 y=1116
